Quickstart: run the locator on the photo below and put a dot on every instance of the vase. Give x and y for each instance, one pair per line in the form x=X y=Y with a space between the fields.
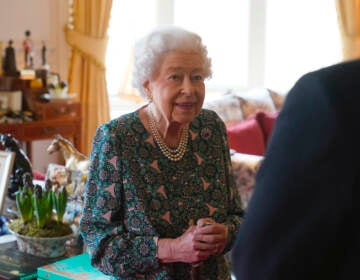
x=50 y=247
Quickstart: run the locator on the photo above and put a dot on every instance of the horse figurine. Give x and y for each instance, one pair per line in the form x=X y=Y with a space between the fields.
x=22 y=164
x=74 y=160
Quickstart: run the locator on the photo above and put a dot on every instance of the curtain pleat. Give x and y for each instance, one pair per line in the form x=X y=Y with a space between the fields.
x=349 y=22
x=88 y=41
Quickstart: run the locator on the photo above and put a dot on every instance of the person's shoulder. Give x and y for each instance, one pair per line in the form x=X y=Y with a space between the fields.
x=209 y=117
x=336 y=85
x=208 y=114
x=350 y=65
x=347 y=69
x=333 y=78
x=120 y=123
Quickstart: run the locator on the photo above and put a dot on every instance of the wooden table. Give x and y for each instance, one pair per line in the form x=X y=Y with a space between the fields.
x=54 y=118
x=19 y=265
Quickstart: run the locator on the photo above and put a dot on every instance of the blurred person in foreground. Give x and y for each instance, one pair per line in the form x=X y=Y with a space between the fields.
x=160 y=200
x=302 y=220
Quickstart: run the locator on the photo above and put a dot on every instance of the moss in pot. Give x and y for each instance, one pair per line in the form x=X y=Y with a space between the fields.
x=38 y=223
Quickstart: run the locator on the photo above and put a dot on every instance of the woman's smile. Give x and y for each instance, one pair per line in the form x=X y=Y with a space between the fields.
x=185 y=105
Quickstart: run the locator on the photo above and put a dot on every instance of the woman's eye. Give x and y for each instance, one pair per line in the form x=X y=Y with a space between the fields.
x=174 y=77
x=198 y=78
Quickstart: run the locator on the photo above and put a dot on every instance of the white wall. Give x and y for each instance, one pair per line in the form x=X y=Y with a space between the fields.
x=46 y=20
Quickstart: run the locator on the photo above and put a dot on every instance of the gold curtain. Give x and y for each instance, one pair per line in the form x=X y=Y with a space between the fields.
x=349 y=21
x=87 y=37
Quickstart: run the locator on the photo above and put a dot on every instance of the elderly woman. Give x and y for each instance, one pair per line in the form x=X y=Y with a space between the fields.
x=160 y=199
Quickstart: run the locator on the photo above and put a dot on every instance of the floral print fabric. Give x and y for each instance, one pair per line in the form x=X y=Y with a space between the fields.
x=134 y=193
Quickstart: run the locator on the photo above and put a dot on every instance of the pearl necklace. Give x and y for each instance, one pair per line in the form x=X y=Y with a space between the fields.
x=172 y=154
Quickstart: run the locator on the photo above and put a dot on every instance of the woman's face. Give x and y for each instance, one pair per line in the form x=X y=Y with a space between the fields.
x=177 y=88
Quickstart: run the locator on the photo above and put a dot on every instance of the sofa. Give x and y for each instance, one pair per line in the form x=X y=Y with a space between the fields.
x=249 y=117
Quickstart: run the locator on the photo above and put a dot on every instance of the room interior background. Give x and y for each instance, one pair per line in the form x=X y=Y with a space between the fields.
x=265 y=52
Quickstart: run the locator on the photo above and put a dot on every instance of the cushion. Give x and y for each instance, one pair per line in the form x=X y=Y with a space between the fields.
x=277 y=98
x=227 y=106
x=266 y=122
x=38 y=175
x=244 y=168
x=246 y=137
x=255 y=99
x=250 y=108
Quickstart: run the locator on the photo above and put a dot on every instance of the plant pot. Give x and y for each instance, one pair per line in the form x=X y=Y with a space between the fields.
x=50 y=247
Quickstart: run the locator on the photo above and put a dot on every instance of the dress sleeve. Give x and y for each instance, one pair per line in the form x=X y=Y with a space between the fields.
x=113 y=249
x=235 y=209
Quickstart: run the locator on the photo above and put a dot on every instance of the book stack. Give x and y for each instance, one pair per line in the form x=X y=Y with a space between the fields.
x=16 y=265
x=77 y=267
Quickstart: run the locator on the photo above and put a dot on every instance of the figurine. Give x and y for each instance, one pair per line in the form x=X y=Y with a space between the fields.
x=74 y=160
x=28 y=50
x=43 y=54
x=9 y=63
x=22 y=164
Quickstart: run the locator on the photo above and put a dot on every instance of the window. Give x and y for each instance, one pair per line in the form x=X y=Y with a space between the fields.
x=128 y=22
x=223 y=26
x=301 y=36
x=251 y=42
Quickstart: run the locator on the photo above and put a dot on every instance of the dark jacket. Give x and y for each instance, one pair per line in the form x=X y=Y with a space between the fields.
x=302 y=221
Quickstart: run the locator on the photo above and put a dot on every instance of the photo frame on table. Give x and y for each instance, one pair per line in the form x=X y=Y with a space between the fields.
x=73 y=181
x=11 y=100
x=52 y=78
x=3 y=102
x=6 y=166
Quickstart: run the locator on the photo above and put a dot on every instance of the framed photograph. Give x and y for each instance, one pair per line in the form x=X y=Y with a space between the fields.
x=6 y=165
x=11 y=100
x=3 y=102
x=52 y=78
x=73 y=181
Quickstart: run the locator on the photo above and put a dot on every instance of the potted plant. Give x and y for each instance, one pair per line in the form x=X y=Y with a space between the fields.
x=40 y=229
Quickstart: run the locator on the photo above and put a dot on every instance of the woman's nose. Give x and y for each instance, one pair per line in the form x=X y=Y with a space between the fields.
x=188 y=86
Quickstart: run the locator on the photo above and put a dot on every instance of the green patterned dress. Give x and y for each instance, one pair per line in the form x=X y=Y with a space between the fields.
x=134 y=193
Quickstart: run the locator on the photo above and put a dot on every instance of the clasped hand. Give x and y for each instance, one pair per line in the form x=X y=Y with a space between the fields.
x=201 y=241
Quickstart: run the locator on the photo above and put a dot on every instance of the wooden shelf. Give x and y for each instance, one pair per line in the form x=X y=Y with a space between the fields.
x=52 y=117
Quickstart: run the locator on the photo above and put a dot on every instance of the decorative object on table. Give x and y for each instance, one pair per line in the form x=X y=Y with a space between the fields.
x=77 y=267
x=38 y=231
x=6 y=165
x=59 y=90
x=58 y=176
x=1 y=58
x=52 y=78
x=21 y=164
x=28 y=50
x=9 y=116
x=3 y=226
x=36 y=83
x=27 y=74
x=74 y=160
x=11 y=100
x=44 y=64
x=9 y=63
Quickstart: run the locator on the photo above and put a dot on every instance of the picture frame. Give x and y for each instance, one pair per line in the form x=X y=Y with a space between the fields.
x=73 y=181
x=3 y=102
x=11 y=100
x=52 y=78
x=6 y=166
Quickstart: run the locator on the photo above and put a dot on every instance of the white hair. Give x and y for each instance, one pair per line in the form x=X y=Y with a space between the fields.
x=149 y=50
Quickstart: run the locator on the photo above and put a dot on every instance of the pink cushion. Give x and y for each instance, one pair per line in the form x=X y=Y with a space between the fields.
x=266 y=122
x=246 y=137
x=38 y=175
